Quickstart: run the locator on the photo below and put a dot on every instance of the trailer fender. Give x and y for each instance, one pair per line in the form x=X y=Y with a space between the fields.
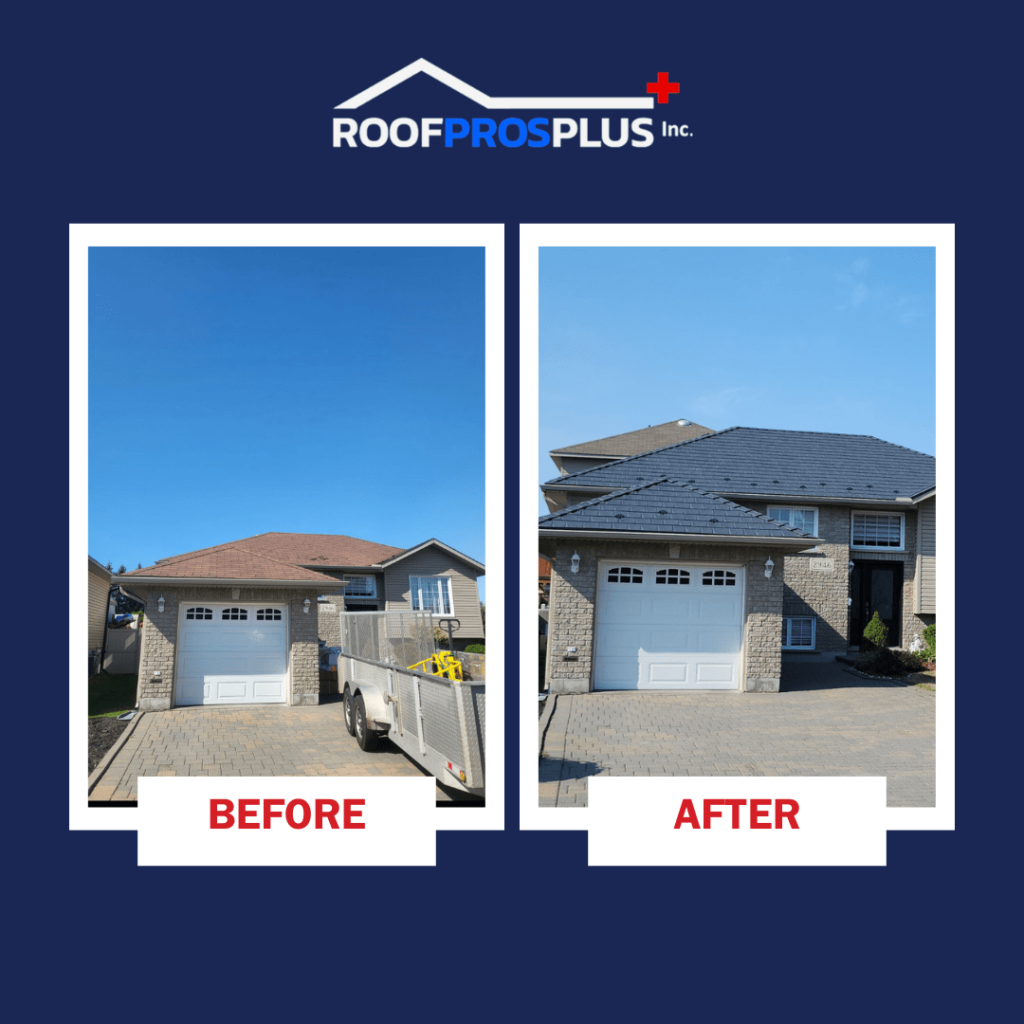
x=376 y=706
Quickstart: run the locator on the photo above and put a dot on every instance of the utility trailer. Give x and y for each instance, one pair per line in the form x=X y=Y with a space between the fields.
x=438 y=721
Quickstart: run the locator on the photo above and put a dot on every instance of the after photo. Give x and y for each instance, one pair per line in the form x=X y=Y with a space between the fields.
x=736 y=539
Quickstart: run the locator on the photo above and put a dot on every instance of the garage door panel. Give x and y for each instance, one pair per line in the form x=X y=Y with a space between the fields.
x=232 y=661
x=679 y=636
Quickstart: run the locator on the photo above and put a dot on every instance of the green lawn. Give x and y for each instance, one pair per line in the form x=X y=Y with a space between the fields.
x=110 y=696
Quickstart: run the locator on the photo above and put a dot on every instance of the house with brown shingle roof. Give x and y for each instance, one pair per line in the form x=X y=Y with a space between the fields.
x=591 y=454
x=242 y=622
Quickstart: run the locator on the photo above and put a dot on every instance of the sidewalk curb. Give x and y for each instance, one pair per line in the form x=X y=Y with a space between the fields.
x=97 y=772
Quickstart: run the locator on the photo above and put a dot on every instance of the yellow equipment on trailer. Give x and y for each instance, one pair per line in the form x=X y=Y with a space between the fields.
x=440 y=664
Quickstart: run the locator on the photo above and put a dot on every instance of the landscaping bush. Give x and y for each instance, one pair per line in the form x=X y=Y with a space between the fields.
x=475 y=649
x=929 y=641
x=876 y=632
x=887 y=661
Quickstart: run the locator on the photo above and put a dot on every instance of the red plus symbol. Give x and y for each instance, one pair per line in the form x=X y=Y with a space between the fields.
x=663 y=87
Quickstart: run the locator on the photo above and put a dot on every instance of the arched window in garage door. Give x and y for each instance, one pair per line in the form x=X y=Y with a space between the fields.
x=719 y=578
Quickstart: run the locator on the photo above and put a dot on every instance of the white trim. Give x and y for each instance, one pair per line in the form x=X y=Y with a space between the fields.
x=873 y=547
x=786 y=633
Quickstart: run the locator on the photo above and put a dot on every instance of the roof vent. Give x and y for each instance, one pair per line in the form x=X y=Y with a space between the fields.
x=803 y=487
x=895 y=491
x=870 y=486
x=639 y=478
x=662 y=511
x=849 y=488
x=712 y=520
x=821 y=484
x=728 y=478
x=619 y=515
x=682 y=423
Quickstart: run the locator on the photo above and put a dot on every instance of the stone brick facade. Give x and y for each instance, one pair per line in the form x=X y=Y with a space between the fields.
x=573 y=597
x=156 y=662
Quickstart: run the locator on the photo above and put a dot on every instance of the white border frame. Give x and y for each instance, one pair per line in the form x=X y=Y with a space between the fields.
x=901 y=550
x=940 y=236
x=490 y=237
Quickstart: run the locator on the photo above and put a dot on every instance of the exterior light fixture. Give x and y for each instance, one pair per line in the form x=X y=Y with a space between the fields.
x=768 y=567
x=849 y=566
x=305 y=606
x=575 y=562
x=160 y=603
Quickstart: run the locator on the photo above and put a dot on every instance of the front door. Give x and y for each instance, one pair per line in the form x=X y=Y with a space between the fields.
x=876 y=587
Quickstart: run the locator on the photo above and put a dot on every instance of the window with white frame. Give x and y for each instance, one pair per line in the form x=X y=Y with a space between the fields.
x=431 y=594
x=805 y=519
x=798 y=633
x=875 y=531
x=361 y=586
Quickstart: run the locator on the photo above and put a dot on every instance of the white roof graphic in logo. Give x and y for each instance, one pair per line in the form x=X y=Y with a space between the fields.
x=496 y=102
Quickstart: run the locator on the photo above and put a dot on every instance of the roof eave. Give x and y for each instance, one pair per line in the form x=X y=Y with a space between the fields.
x=221 y=581
x=796 y=543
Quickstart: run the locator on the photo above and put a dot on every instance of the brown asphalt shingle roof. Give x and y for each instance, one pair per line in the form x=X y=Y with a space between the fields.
x=308 y=549
x=232 y=563
x=637 y=441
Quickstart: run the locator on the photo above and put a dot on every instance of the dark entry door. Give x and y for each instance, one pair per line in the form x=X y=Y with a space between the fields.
x=876 y=587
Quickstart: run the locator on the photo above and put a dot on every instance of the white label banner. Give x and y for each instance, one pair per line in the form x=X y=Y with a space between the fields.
x=287 y=821
x=734 y=821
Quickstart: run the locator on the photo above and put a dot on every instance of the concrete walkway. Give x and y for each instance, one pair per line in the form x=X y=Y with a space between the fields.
x=250 y=740
x=825 y=721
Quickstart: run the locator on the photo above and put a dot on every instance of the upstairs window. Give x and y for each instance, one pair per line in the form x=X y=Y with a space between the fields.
x=625 y=574
x=361 y=586
x=805 y=519
x=234 y=613
x=268 y=614
x=199 y=613
x=431 y=594
x=668 y=576
x=877 y=531
x=719 y=578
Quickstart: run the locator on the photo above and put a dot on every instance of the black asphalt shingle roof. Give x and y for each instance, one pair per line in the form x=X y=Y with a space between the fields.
x=668 y=506
x=750 y=460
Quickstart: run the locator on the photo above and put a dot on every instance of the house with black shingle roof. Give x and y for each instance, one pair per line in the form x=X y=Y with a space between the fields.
x=696 y=565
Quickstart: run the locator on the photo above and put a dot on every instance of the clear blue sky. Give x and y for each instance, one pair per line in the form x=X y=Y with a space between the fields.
x=828 y=339
x=235 y=391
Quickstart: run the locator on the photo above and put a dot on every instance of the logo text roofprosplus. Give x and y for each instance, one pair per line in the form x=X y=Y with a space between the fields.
x=509 y=132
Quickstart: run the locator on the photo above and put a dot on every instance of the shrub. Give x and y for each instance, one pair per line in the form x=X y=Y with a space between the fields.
x=475 y=649
x=876 y=632
x=929 y=640
x=440 y=637
x=887 y=661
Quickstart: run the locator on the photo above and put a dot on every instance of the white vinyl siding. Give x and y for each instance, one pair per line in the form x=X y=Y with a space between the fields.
x=926 y=558
x=431 y=594
x=798 y=633
x=434 y=562
x=876 y=531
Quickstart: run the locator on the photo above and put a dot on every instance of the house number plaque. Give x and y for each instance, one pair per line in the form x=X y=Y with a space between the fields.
x=821 y=564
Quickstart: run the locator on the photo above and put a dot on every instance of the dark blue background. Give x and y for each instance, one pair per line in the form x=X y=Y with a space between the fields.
x=803 y=113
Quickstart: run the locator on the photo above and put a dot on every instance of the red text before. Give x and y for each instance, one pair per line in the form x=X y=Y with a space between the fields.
x=294 y=813
x=758 y=813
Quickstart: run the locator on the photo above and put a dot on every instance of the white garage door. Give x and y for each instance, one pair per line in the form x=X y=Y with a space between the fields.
x=668 y=627
x=232 y=654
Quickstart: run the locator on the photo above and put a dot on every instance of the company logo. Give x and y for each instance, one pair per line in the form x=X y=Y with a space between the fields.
x=533 y=132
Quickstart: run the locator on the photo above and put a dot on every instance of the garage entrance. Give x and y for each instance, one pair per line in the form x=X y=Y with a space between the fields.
x=669 y=627
x=232 y=654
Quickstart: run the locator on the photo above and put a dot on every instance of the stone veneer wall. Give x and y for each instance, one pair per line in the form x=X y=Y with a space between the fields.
x=156 y=692
x=573 y=599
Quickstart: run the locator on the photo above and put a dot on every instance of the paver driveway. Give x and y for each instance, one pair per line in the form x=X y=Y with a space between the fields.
x=252 y=740
x=825 y=721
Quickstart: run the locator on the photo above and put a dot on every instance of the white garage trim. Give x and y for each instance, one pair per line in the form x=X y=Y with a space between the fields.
x=668 y=630
x=235 y=652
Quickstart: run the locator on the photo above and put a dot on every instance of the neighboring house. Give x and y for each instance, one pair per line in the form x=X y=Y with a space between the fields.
x=240 y=623
x=590 y=454
x=543 y=581
x=853 y=518
x=99 y=601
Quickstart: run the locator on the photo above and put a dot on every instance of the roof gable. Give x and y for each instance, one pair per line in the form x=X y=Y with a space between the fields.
x=478 y=566
x=754 y=461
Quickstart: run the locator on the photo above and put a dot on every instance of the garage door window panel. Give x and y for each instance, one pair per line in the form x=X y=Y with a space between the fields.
x=718 y=578
x=625 y=574
x=199 y=613
x=235 y=614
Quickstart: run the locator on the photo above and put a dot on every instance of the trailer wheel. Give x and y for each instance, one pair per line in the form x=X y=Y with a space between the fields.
x=365 y=737
x=350 y=717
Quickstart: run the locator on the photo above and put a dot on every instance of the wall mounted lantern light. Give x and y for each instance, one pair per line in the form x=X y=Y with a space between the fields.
x=768 y=567
x=160 y=603
x=305 y=606
x=849 y=566
x=575 y=562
